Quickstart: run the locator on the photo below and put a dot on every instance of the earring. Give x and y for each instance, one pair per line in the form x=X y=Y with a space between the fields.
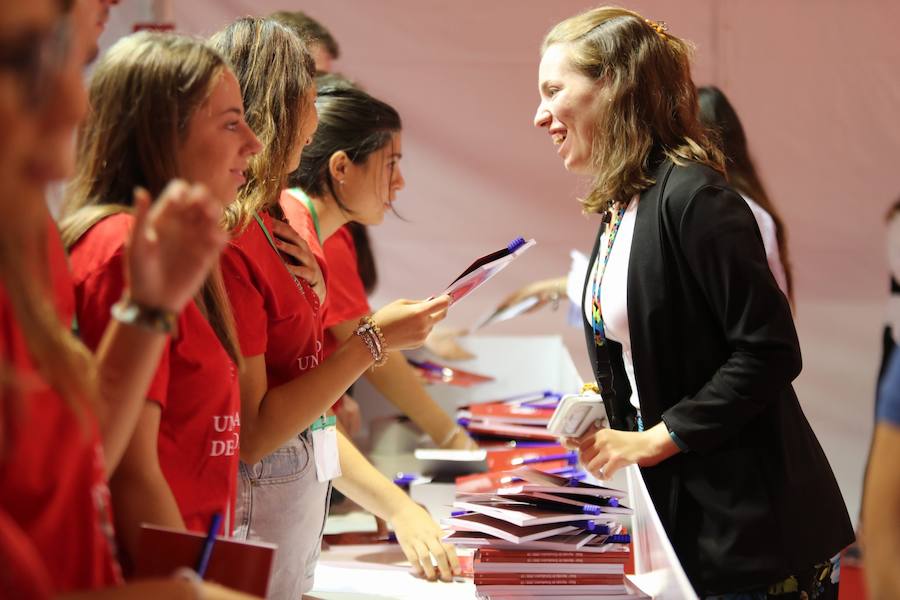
x=341 y=181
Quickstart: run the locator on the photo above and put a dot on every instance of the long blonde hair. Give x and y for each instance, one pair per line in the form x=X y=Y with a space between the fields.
x=275 y=72
x=652 y=103
x=143 y=94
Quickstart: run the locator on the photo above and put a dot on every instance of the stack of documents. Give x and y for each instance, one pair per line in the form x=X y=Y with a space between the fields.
x=523 y=417
x=544 y=535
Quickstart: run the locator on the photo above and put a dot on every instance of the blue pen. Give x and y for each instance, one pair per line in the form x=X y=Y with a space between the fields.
x=597 y=528
x=590 y=509
x=572 y=457
x=404 y=479
x=206 y=551
x=621 y=538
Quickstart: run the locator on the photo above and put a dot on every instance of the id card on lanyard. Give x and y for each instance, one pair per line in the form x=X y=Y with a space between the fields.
x=325 y=448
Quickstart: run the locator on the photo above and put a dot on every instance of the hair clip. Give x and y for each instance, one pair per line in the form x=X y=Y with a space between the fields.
x=659 y=27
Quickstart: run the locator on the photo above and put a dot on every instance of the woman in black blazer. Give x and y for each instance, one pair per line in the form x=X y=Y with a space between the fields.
x=692 y=343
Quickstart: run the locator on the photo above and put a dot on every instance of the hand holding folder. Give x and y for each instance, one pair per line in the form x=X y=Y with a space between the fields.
x=484 y=268
x=236 y=564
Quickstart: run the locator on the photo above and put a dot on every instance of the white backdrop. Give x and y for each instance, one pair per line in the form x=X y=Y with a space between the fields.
x=815 y=83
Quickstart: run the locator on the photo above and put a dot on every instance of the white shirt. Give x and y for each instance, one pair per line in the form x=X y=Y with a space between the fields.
x=770 y=240
x=614 y=286
x=614 y=291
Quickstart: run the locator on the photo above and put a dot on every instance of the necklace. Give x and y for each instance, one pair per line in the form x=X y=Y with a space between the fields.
x=596 y=312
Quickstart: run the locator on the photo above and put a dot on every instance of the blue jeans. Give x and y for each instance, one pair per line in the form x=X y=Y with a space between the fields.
x=281 y=501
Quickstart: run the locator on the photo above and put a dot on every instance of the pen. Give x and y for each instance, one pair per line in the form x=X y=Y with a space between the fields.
x=572 y=457
x=598 y=528
x=206 y=551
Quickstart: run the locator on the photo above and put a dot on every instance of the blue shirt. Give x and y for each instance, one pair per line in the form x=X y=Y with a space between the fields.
x=889 y=392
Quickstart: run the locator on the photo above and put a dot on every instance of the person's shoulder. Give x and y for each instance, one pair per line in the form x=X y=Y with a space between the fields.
x=101 y=245
x=690 y=182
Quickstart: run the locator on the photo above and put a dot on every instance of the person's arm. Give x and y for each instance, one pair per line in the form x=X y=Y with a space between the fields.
x=172 y=247
x=417 y=533
x=721 y=245
x=397 y=381
x=444 y=343
x=545 y=290
x=271 y=416
x=881 y=514
x=140 y=492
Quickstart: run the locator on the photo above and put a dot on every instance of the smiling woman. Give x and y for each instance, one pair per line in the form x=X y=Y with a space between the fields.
x=692 y=343
x=185 y=120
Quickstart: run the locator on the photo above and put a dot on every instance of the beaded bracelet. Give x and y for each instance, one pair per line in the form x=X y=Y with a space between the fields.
x=374 y=340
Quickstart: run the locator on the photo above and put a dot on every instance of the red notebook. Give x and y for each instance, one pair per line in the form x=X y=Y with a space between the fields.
x=506 y=458
x=507 y=430
x=237 y=564
x=503 y=412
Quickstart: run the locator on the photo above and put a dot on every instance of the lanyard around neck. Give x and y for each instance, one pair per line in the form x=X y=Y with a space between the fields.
x=301 y=196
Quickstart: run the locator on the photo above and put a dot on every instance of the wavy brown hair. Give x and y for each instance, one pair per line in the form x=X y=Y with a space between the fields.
x=276 y=73
x=645 y=74
x=143 y=94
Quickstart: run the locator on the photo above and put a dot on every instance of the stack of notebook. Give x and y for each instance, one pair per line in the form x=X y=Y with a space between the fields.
x=544 y=535
x=520 y=418
x=548 y=457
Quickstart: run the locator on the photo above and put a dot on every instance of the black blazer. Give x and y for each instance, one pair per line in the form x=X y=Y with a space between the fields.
x=715 y=351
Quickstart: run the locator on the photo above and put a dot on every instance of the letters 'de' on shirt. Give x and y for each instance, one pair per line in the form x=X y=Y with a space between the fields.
x=275 y=314
x=196 y=384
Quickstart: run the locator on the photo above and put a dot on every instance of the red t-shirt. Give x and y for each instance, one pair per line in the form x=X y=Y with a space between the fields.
x=196 y=384
x=52 y=477
x=276 y=315
x=346 y=297
x=23 y=574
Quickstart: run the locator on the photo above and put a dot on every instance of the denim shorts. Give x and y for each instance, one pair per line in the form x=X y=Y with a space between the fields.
x=281 y=501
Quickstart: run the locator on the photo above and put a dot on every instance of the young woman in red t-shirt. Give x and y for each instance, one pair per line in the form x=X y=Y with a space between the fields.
x=351 y=172
x=181 y=466
x=287 y=384
x=65 y=416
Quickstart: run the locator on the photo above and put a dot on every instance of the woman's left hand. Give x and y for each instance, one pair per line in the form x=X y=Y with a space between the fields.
x=420 y=538
x=605 y=451
x=174 y=243
x=290 y=243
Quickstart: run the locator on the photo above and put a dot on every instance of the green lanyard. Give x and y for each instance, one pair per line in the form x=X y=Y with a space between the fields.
x=301 y=196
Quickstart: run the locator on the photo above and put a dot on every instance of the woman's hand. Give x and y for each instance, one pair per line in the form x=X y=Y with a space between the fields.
x=406 y=323
x=349 y=415
x=173 y=245
x=546 y=290
x=420 y=538
x=289 y=242
x=605 y=451
x=444 y=343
